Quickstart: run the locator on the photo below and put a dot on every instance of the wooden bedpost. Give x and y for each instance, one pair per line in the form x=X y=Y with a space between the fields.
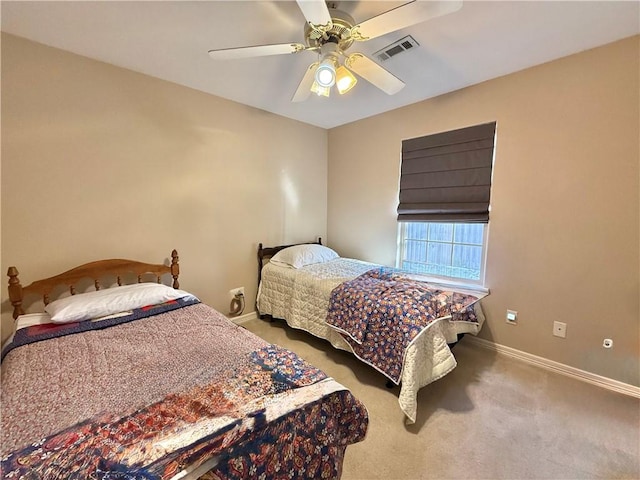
x=260 y=263
x=175 y=268
x=15 y=292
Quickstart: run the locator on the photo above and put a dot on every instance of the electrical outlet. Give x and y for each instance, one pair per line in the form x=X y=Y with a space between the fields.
x=512 y=317
x=560 y=329
x=608 y=343
x=235 y=291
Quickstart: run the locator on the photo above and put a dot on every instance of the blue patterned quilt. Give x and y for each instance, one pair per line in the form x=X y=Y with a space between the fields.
x=380 y=313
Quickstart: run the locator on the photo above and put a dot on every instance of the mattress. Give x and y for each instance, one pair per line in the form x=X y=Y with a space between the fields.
x=302 y=297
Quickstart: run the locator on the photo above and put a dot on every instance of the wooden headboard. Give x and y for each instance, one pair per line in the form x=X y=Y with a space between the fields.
x=94 y=271
x=268 y=252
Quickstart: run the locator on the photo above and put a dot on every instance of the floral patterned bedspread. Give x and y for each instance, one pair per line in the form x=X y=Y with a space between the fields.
x=247 y=408
x=381 y=312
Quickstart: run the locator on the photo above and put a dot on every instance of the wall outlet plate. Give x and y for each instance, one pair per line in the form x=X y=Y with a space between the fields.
x=512 y=317
x=234 y=291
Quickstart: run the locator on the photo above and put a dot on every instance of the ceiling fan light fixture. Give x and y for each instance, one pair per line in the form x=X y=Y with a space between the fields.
x=326 y=72
x=331 y=32
x=345 y=80
x=320 y=90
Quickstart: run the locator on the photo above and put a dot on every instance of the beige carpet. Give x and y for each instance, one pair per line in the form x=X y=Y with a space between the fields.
x=491 y=418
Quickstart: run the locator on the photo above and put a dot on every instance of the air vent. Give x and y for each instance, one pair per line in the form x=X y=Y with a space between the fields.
x=395 y=48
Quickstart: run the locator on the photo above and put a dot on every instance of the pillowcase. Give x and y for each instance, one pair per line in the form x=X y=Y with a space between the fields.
x=301 y=255
x=30 y=319
x=85 y=306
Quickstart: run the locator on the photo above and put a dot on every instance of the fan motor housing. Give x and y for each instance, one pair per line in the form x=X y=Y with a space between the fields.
x=339 y=33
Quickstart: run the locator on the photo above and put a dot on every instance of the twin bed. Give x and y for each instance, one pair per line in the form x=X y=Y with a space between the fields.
x=392 y=321
x=144 y=381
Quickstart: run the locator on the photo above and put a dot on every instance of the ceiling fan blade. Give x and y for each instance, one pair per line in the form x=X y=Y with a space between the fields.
x=316 y=12
x=257 y=51
x=402 y=17
x=304 y=89
x=374 y=73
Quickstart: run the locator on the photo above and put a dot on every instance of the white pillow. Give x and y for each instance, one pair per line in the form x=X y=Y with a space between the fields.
x=301 y=255
x=85 y=306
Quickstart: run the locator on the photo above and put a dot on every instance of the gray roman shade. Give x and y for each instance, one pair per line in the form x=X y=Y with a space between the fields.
x=446 y=177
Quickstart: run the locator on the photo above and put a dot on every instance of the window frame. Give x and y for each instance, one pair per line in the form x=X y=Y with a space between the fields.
x=480 y=282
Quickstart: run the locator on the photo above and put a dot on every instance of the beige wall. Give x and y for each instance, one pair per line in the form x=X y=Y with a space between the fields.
x=98 y=161
x=564 y=231
x=101 y=162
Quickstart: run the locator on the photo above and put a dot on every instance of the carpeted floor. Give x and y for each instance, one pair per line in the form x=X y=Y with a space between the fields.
x=491 y=418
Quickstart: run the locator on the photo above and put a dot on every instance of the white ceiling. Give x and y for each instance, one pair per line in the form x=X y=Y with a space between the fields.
x=170 y=40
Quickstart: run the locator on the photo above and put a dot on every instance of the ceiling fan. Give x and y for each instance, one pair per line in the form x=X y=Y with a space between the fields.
x=330 y=33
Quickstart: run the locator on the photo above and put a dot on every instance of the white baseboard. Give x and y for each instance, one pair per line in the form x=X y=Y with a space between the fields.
x=556 y=367
x=239 y=320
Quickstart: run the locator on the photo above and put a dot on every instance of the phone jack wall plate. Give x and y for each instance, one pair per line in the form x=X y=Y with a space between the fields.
x=560 y=329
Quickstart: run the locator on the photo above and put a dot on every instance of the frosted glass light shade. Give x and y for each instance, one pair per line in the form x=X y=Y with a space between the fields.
x=320 y=90
x=345 y=80
x=326 y=73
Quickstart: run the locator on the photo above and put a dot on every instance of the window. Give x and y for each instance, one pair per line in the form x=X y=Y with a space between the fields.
x=444 y=202
x=450 y=250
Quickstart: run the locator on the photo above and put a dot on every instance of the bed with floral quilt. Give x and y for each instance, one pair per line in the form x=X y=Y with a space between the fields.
x=169 y=389
x=393 y=321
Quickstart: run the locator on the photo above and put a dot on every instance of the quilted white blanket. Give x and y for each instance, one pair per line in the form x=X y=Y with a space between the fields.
x=301 y=297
